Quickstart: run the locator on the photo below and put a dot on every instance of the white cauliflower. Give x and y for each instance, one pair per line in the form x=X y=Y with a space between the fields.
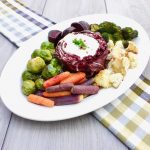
x=102 y=78
x=110 y=45
x=132 y=47
x=120 y=65
x=119 y=44
x=116 y=79
x=133 y=59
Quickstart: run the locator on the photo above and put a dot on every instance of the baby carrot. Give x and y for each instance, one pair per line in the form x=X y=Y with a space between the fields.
x=57 y=94
x=40 y=100
x=55 y=80
x=74 y=78
x=82 y=81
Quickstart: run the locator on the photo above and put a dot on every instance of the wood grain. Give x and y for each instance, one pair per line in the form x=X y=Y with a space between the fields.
x=65 y=9
x=82 y=133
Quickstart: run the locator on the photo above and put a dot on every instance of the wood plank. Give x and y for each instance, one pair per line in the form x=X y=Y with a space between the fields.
x=138 y=10
x=64 y=9
x=5 y=52
x=82 y=133
x=36 y=5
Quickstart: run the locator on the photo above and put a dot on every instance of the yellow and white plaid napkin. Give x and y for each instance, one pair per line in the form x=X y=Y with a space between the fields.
x=127 y=117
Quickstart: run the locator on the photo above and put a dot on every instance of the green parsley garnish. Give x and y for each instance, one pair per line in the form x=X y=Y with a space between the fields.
x=80 y=43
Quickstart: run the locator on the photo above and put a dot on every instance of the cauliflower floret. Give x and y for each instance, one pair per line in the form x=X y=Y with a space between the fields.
x=132 y=47
x=119 y=44
x=110 y=45
x=102 y=78
x=120 y=65
x=116 y=79
x=117 y=52
x=133 y=59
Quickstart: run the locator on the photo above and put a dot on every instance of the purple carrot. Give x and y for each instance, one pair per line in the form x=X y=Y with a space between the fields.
x=88 y=82
x=67 y=100
x=60 y=87
x=84 y=89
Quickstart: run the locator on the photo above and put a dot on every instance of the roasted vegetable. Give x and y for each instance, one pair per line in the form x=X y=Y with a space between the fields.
x=45 y=54
x=28 y=87
x=35 y=53
x=67 y=100
x=35 y=65
x=60 y=87
x=47 y=45
x=125 y=43
x=57 y=94
x=84 y=89
x=40 y=100
x=39 y=83
x=117 y=36
x=49 y=71
x=88 y=82
x=107 y=36
x=55 y=62
x=94 y=27
x=129 y=33
x=80 y=26
x=54 y=36
x=57 y=79
x=26 y=75
x=109 y=27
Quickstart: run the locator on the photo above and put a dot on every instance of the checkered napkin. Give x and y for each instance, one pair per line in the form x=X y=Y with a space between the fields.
x=127 y=117
x=18 y=23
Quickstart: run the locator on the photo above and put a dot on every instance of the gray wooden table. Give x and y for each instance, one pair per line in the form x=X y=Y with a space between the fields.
x=82 y=133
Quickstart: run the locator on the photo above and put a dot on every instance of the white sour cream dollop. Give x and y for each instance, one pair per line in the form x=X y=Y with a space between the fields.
x=71 y=48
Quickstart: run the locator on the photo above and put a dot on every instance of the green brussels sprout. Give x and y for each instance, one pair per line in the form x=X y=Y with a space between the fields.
x=26 y=75
x=45 y=54
x=94 y=27
x=39 y=83
x=35 y=65
x=55 y=62
x=49 y=71
x=47 y=45
x=28 y=87
x=117 y=36
x=125 y=43
x=109 y=27
x=129 y=33
x=35 y=53
x=107 y=36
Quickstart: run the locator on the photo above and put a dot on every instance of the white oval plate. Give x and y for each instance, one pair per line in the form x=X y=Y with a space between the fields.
x=10 y=81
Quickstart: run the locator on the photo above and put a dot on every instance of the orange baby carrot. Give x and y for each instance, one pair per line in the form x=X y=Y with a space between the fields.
x=40 y=100
x=74 y=78
x=57 y=94
x=57 y=79
x=82 y=81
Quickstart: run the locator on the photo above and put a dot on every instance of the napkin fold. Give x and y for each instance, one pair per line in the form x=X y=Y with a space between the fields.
x=127 y=117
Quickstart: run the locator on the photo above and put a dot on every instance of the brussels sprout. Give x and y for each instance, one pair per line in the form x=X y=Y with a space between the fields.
x=117 y=36
x=26 y=75
x=39 y=83
x=35 y=53
x=55 y=62
x=47 y=45
x=45 y=54
x=94 y=27
x=129 y=33
x=28 y=87
x=49 y=71
x=35 y=65
x=109 y=27
x=125 y=43
x=107 y=36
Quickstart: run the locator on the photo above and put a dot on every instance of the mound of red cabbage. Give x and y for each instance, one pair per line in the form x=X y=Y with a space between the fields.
x=88 y=64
